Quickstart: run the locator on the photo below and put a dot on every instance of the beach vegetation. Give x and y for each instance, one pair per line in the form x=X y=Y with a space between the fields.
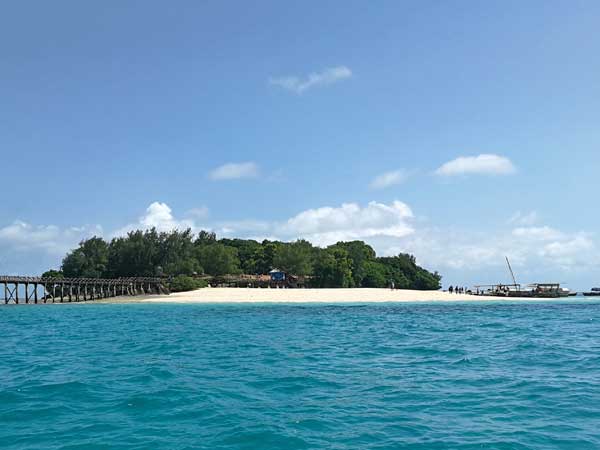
x=183 y=283
x=296 y=257
x=89 y=260
x=183 y=255
x=374 y=275
x=218 y=259
x=150 y=253
x=360 y=255
x=332 y=269
x=57 y=274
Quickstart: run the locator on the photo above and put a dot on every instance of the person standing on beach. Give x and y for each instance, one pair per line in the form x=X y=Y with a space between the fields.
x=451 y=289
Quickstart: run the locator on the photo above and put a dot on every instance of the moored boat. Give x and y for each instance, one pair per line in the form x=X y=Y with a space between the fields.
x=595 y=292
x=564 y=292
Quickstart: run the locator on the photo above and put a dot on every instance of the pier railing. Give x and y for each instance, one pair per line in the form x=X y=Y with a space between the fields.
x=18 y=289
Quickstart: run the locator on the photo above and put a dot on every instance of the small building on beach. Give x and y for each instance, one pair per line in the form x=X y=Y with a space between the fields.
x=277 y=275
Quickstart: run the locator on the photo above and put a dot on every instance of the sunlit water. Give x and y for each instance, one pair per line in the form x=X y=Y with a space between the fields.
x=418 y=376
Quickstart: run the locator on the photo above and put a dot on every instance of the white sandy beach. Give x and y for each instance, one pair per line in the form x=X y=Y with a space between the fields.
x=249 y=295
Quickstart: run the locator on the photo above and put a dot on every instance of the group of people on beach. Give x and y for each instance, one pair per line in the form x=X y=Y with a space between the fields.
x=458 y=290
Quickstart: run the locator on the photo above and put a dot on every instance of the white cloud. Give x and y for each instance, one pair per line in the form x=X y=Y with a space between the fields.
x=327 y=225
x=160 y=216
x=21 y=236
x=234 y=171
x=544 y=233
x=571 y=251
x=481 y=165
x=536 y=253
x=299 y=85
x=27 y=249
x=388 y=179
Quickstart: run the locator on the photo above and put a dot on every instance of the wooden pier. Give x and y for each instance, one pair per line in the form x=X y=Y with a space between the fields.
x=53 y=290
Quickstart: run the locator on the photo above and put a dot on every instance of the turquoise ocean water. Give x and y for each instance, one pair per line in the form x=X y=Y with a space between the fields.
x=392 y=376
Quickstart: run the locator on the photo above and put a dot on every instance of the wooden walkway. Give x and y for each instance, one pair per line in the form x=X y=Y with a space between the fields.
x=52 y=290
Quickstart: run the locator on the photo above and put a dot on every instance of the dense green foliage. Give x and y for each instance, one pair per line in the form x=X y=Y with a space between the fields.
x=183 y=283
x=53 y=274
x=182 y=254
x=218 y=259
x=90 y=260
x=333 y=268
x=295 y=257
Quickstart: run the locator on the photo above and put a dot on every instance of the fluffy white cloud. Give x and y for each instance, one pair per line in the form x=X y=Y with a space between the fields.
x=388 y=179
x=27 y=249
x=160 y=216
x=537 y=253
x=234 y=171
x=481 y=165
x=571 y=251
x=22 y=236
x=31 y=249
x=299 y=85
x=328 y=225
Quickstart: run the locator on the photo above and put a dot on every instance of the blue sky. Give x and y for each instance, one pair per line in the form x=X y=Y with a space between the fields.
x=111 y=108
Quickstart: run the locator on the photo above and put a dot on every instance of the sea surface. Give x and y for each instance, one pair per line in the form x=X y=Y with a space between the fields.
x=384 y=376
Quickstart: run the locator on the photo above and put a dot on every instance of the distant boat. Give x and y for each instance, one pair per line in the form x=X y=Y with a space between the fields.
x=536 y=290
x=595 y=292
x=549 y=290
x=564 y=292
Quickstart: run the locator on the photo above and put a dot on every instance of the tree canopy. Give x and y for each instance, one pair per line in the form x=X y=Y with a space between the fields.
x=181 y=253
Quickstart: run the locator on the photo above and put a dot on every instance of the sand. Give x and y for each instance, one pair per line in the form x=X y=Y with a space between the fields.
x=249 y=295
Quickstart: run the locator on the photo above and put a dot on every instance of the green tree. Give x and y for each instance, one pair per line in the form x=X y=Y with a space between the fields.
x=374 y=275
x=406 y=274
x=89 y=260
x=206 y=238
x=182 y=283
x=53 y=274
x=295 y=257
x=177 y=254
x=332 y=269
x=265 y=256
x=218 y=259
x=249 y=252
x=137 y=254
x=360 y=254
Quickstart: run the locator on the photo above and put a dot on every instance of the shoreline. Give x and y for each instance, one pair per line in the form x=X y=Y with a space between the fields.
x=338 y=295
